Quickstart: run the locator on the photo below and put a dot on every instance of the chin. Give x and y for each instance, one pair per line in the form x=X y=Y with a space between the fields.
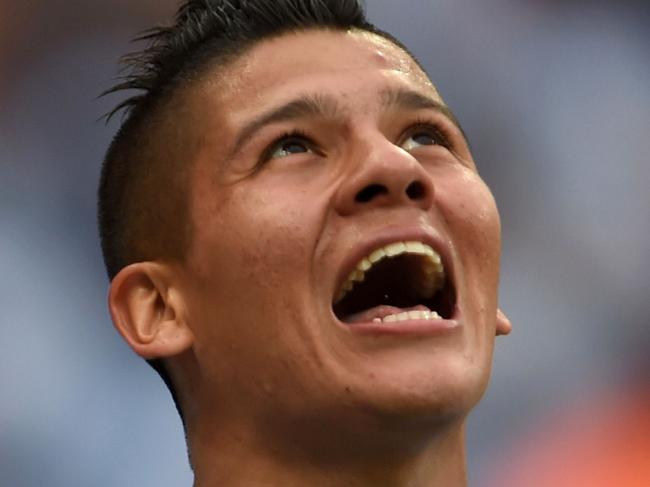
x=446 y=389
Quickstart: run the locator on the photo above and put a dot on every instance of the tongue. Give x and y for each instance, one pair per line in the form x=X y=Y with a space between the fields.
x=379 y=312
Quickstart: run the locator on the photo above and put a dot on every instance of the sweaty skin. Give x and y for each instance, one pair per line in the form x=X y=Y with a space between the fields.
x=276 y=390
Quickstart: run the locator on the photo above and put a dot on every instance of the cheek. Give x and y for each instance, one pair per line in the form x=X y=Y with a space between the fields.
x=254 y=237
x=472 y=217
x=271 y=228
x=281 y=210
x=251 y=255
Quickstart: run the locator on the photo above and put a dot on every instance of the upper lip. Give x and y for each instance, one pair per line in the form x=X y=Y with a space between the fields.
x=392 y=234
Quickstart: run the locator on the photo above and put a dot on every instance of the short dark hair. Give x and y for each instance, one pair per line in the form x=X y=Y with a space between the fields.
x=143 y=191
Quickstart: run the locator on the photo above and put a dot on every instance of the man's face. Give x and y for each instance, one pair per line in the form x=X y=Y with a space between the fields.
x=319 y=148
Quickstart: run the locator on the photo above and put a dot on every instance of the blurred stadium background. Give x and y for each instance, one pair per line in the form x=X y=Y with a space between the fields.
x=555 y=98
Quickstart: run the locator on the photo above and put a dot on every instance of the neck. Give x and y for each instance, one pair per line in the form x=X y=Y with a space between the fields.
x=237 y=458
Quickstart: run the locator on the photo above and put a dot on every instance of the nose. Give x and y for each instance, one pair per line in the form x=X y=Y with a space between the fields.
x=381 y=174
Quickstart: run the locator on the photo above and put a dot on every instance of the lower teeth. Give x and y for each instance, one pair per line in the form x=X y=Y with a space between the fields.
x=408 y=315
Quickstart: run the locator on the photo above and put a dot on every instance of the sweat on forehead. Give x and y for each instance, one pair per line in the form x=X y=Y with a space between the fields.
x=370 y=49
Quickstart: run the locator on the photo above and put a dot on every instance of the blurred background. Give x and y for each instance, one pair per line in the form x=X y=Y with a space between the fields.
x=555 y=98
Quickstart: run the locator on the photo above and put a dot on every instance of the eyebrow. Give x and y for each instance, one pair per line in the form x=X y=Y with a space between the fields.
x=325 y=106
x=414 y=100
x=303 y=106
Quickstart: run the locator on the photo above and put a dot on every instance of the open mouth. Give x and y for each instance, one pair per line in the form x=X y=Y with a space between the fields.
x=398 y=282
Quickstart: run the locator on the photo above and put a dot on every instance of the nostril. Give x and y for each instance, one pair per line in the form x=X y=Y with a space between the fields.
x=415 y=190
x=369 y=192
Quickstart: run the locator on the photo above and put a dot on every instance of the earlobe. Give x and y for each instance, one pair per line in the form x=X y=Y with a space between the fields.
x=148 y=311
x=504 y=326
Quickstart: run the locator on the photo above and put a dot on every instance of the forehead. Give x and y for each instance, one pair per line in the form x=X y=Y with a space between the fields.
x=310 y=62
x=339 y=51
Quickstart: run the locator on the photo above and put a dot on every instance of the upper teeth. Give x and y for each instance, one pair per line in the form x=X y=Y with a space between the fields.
x=433 y=271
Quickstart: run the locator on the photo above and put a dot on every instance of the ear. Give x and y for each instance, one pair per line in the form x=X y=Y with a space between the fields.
x=148 y=310
x=504 y=326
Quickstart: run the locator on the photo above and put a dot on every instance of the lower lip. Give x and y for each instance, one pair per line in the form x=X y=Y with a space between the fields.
x=405 y=328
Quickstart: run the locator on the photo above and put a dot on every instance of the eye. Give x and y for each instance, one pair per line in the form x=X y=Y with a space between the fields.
x=288 y=145
x=423 y=135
